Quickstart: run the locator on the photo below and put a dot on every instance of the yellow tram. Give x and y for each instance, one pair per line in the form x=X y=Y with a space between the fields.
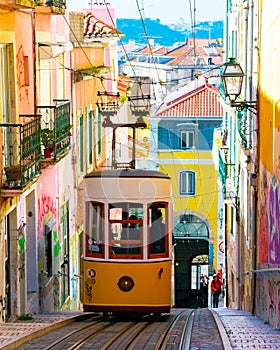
x=127 y=262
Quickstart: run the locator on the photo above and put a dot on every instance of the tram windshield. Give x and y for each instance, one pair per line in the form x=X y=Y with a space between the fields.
x=125 y=230
x=126 y=234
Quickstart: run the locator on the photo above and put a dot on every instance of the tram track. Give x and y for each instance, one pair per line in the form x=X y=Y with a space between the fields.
x=156 y=334
x=179 y=330
x=83 y=334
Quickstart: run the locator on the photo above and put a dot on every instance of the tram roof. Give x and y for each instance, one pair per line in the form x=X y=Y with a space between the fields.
x=127 y=173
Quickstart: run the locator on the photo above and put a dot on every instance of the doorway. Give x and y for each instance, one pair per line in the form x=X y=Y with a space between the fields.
x=191 y=260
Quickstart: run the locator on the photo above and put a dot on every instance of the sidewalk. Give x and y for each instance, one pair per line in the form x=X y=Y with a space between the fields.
x=242 y=330
x=14 y=334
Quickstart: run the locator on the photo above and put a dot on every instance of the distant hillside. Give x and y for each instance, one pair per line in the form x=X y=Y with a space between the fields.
x=163 y=34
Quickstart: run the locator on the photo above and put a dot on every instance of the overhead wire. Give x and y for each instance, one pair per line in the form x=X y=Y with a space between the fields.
x=149 y=44
x=81 y=47
x=137 y=80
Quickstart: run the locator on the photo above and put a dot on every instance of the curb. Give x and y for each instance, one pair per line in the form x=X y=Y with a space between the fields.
x=14 y=344
x=222 y=331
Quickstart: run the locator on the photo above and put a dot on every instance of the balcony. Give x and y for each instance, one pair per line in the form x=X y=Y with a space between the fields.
x=17 y=4
x=55 y=130
x=50 y=7
x=21 y=154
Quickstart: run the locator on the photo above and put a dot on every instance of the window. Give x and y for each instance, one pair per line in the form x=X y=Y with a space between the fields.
x=189 y=225
x=126 y=221
x=187 y=183
x=195 y=276
x=187 y=139
x=50 y=233
x=6 y=83
x=48 y=250
x=81 y=142
x=98 y=135
x=89 y=137
x=158 y=230
x=94 y=229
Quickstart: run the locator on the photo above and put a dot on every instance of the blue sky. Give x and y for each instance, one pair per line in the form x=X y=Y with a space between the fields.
x=167 y=11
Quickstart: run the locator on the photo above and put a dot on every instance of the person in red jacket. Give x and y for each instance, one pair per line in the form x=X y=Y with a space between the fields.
x=216 y=288
x=220 y=272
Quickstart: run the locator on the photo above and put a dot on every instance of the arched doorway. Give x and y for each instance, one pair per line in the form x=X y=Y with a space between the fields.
x=191 y=259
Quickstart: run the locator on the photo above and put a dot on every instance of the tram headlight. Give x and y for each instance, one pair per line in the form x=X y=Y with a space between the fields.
x=126 y=283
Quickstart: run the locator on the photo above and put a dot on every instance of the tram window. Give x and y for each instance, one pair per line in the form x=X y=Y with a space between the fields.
x=94 y=235
x=158 y=228
x=126 y=220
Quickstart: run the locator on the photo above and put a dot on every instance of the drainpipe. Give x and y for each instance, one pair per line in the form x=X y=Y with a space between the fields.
x=33 y=23
x=251 y=65
x=247 y=48
x=255 y=198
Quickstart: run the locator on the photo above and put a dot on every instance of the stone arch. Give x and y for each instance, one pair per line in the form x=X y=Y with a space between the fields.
x=201 y=218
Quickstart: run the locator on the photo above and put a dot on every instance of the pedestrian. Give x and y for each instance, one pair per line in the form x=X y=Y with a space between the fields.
x=220 y=272
x=216 y=288
x=204 y=290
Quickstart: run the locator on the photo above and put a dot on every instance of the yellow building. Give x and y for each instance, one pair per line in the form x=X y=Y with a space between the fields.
x=182 y=136
x=268 y=234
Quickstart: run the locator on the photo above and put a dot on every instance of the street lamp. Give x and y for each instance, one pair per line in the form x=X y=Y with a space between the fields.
x=232 y=77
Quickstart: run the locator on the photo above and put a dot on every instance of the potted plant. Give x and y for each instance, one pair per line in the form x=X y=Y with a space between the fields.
x=47 y=139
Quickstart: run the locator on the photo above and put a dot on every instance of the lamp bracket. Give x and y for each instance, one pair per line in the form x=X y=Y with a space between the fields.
x=242 y=105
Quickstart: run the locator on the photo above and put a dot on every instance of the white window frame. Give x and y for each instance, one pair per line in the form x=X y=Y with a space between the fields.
x=189 y=139
x=187 y=183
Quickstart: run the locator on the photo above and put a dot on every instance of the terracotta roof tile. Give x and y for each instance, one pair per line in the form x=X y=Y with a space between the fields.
x=93 y=28
x=202 y=100
x=123 y=83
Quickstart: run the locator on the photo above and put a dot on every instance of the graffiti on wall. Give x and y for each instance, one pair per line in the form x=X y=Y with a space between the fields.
x=21 y=79
x=57 y=246
x=274 y=222
x=21 y=237
x=269 y=223
x=268 y=299
x=268 y=282
x=263 y=223
x=45 y=204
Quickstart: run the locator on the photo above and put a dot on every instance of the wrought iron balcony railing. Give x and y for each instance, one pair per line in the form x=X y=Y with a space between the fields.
x=17 y=4
x=55 y=129
x=21 y=152
x=50 y=7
